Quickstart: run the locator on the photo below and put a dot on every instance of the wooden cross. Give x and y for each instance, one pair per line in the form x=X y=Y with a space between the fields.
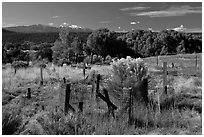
x=111 y=106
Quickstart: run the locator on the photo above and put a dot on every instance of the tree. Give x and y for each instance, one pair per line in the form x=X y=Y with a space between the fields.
x=181 y=48
x=77 y=46
x=102 y=42
x=45 y=51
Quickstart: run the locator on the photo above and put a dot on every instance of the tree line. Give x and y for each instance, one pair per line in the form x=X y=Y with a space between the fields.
x=68 y=46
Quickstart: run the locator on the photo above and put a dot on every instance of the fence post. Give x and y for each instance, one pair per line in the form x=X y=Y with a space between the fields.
x=64 y=79
x=67 y=96
x=80 y=106
x=157 y=61
x=165 y=77
x=29 y=93
x=41 y=76
x=97 y=84
x=15 y=70
x=84 y=69
x=110 y=109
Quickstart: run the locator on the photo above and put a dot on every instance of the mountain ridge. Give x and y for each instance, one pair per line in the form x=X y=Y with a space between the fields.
x=39 y=28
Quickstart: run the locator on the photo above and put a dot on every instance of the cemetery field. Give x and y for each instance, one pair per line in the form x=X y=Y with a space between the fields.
x=177 y=112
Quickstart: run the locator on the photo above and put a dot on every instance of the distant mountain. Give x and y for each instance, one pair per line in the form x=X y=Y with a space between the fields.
x=33 y=29
x=44 y=29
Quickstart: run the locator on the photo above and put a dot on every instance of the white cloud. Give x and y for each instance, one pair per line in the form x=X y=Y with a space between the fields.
x=54 y=17
x=133 y=23
x=134 y=8
x=75 y=26
x=172 y=11
x=50 y=24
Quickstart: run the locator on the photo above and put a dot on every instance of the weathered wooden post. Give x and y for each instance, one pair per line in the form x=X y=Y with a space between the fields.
x=165 y=77
x=41 y=75
x=81 y=106
x=84 y=70
x=64 y=80
x=110 y=108
x=15 y=70
x=67 y=96
x=43 y=107
x=157 y=61
x=97 y=84
x=29 y=93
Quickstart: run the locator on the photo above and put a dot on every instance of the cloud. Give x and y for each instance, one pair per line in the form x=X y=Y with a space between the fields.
x=133 y=23
x=50 y=24
x=75 y=26
x=134 y=8
x=172 y=11
x=54 y=17
x=104 y=22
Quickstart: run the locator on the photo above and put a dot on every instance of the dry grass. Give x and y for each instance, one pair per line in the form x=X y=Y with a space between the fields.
x=172 y=120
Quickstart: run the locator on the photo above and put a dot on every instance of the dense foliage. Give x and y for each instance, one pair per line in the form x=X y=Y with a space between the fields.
x=68 y=46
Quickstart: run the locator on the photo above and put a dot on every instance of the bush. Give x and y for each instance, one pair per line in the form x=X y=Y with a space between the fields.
x=108 y=60
x=97 y=59
x=129 y=70
x=19 y=64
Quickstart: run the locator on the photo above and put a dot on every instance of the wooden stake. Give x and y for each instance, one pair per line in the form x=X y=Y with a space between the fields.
x=29 y=93
x=15 y=70
x=165 y=77
x=67 y=96
x=84 y=70
x=157 y=61
x=41 y=75
x=64 y=79
x=80 y=106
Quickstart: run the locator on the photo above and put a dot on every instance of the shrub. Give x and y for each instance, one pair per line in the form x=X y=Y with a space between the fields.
x=97 y=59
x=108 y=60
x=19 y=64
x=129 y=70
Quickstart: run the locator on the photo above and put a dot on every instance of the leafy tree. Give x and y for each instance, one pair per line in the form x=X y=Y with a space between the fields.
x=102 y=42
x=77 y=46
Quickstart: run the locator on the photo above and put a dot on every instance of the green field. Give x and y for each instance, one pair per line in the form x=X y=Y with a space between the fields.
x=41 y=114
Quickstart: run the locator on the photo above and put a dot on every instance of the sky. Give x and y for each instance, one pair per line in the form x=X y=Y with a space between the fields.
x=116 y=16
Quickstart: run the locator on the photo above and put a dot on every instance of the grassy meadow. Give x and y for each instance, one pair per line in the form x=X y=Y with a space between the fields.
x=40 y=114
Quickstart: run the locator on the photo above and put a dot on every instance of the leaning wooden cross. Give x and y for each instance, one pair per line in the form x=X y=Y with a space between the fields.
x=111 y=106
